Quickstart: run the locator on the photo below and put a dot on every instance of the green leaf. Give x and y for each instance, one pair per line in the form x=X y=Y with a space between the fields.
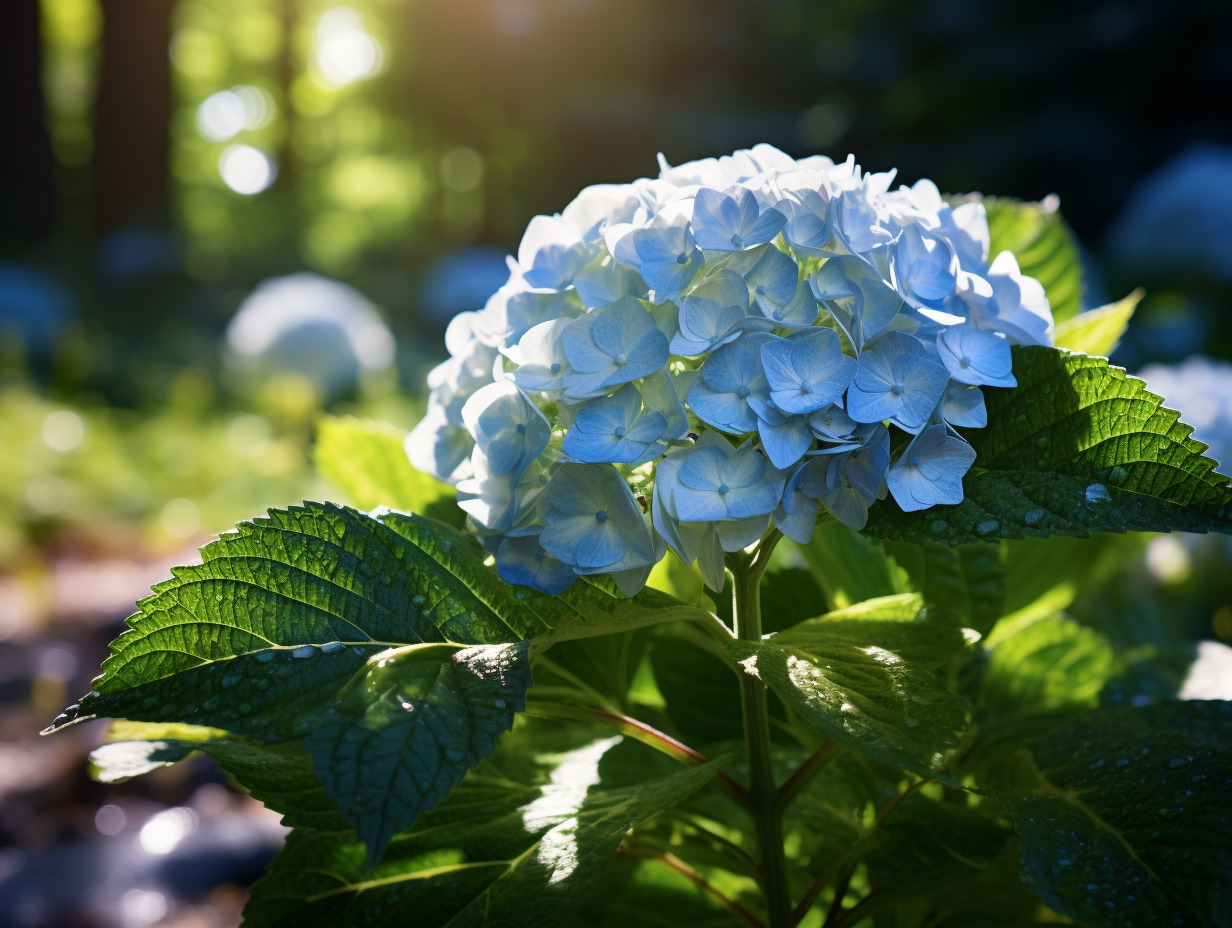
x=286 y=629
x=1044 y=575
x=293 y=605
x=280 y=776
x=865 y=676
x=1044 y=247
x=1098 y=331
x=850 y=567
x=650 y=894
x=366 y=460
x=965 y=583
x=405 y=731
x=1051 y=663
x=701 y=693
x=926 y=844
x=519 y=842
x=1077 y=447
x=1131 y=822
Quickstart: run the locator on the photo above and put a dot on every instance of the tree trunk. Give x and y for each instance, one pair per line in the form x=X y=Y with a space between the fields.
x=27 y=206
x=132 y=115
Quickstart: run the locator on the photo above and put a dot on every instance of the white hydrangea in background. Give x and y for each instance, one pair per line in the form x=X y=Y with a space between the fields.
x=682 y=360
x=311 y=326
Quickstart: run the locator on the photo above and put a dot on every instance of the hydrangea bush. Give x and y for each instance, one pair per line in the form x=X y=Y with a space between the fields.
x=741 y=340
x=751 y=469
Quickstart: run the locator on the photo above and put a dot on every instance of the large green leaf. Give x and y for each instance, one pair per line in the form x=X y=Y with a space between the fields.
x=404 y=732
x=966 y=582
x=300 y=621
x=865 y=676
x=1051 y=663
x=1077 y=447
x=517 y=843
x=1131 y=822
x=366 y=460
x=1044 y=247
x=1098 y=331
x=295 y=603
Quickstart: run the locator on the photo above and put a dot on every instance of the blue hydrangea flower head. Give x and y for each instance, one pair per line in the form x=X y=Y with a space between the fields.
x=678 y=361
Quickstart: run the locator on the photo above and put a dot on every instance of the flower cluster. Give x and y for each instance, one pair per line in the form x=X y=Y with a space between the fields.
x=679 y=361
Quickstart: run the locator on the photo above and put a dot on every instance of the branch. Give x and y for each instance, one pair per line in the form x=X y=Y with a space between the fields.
x=699 y=881
x=639 y=731
x=804 y=773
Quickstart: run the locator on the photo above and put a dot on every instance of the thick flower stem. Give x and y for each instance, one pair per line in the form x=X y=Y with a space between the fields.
x=763 y=793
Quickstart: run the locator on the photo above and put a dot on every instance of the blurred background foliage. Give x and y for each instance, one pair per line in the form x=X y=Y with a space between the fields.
x=160 y=159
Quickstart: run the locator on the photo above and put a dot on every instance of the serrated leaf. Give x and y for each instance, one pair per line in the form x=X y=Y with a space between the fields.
x=965 y=583
x=1098 y=331
x=1077 y=447
x=367 y=462
x=1131 y=823
x=405 y=731
x=865 y=676
x=1043 y=245
x=285 y=621
x=293 y=605
x=509 y=847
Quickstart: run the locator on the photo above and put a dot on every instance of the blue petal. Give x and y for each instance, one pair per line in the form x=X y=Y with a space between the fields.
x=738 y=534
x=702 y=468
x=523 y=561
x=787 y=442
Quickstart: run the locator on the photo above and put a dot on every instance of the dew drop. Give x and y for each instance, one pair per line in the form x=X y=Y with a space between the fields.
x=304 y=650
x=453 y=754
x=499 y=703
x=1043 y=441
x=266 y=655
x=939 y=526
x=987 y=528
x=331 y=647
x=418 y=599
x=1032 y=516
x=1097 y=493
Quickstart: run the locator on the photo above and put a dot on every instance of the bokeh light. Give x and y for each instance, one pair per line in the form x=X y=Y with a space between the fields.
x=246 y=170
x=345 y=52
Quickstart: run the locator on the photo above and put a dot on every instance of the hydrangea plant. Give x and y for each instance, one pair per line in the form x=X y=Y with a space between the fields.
x=746 y=467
